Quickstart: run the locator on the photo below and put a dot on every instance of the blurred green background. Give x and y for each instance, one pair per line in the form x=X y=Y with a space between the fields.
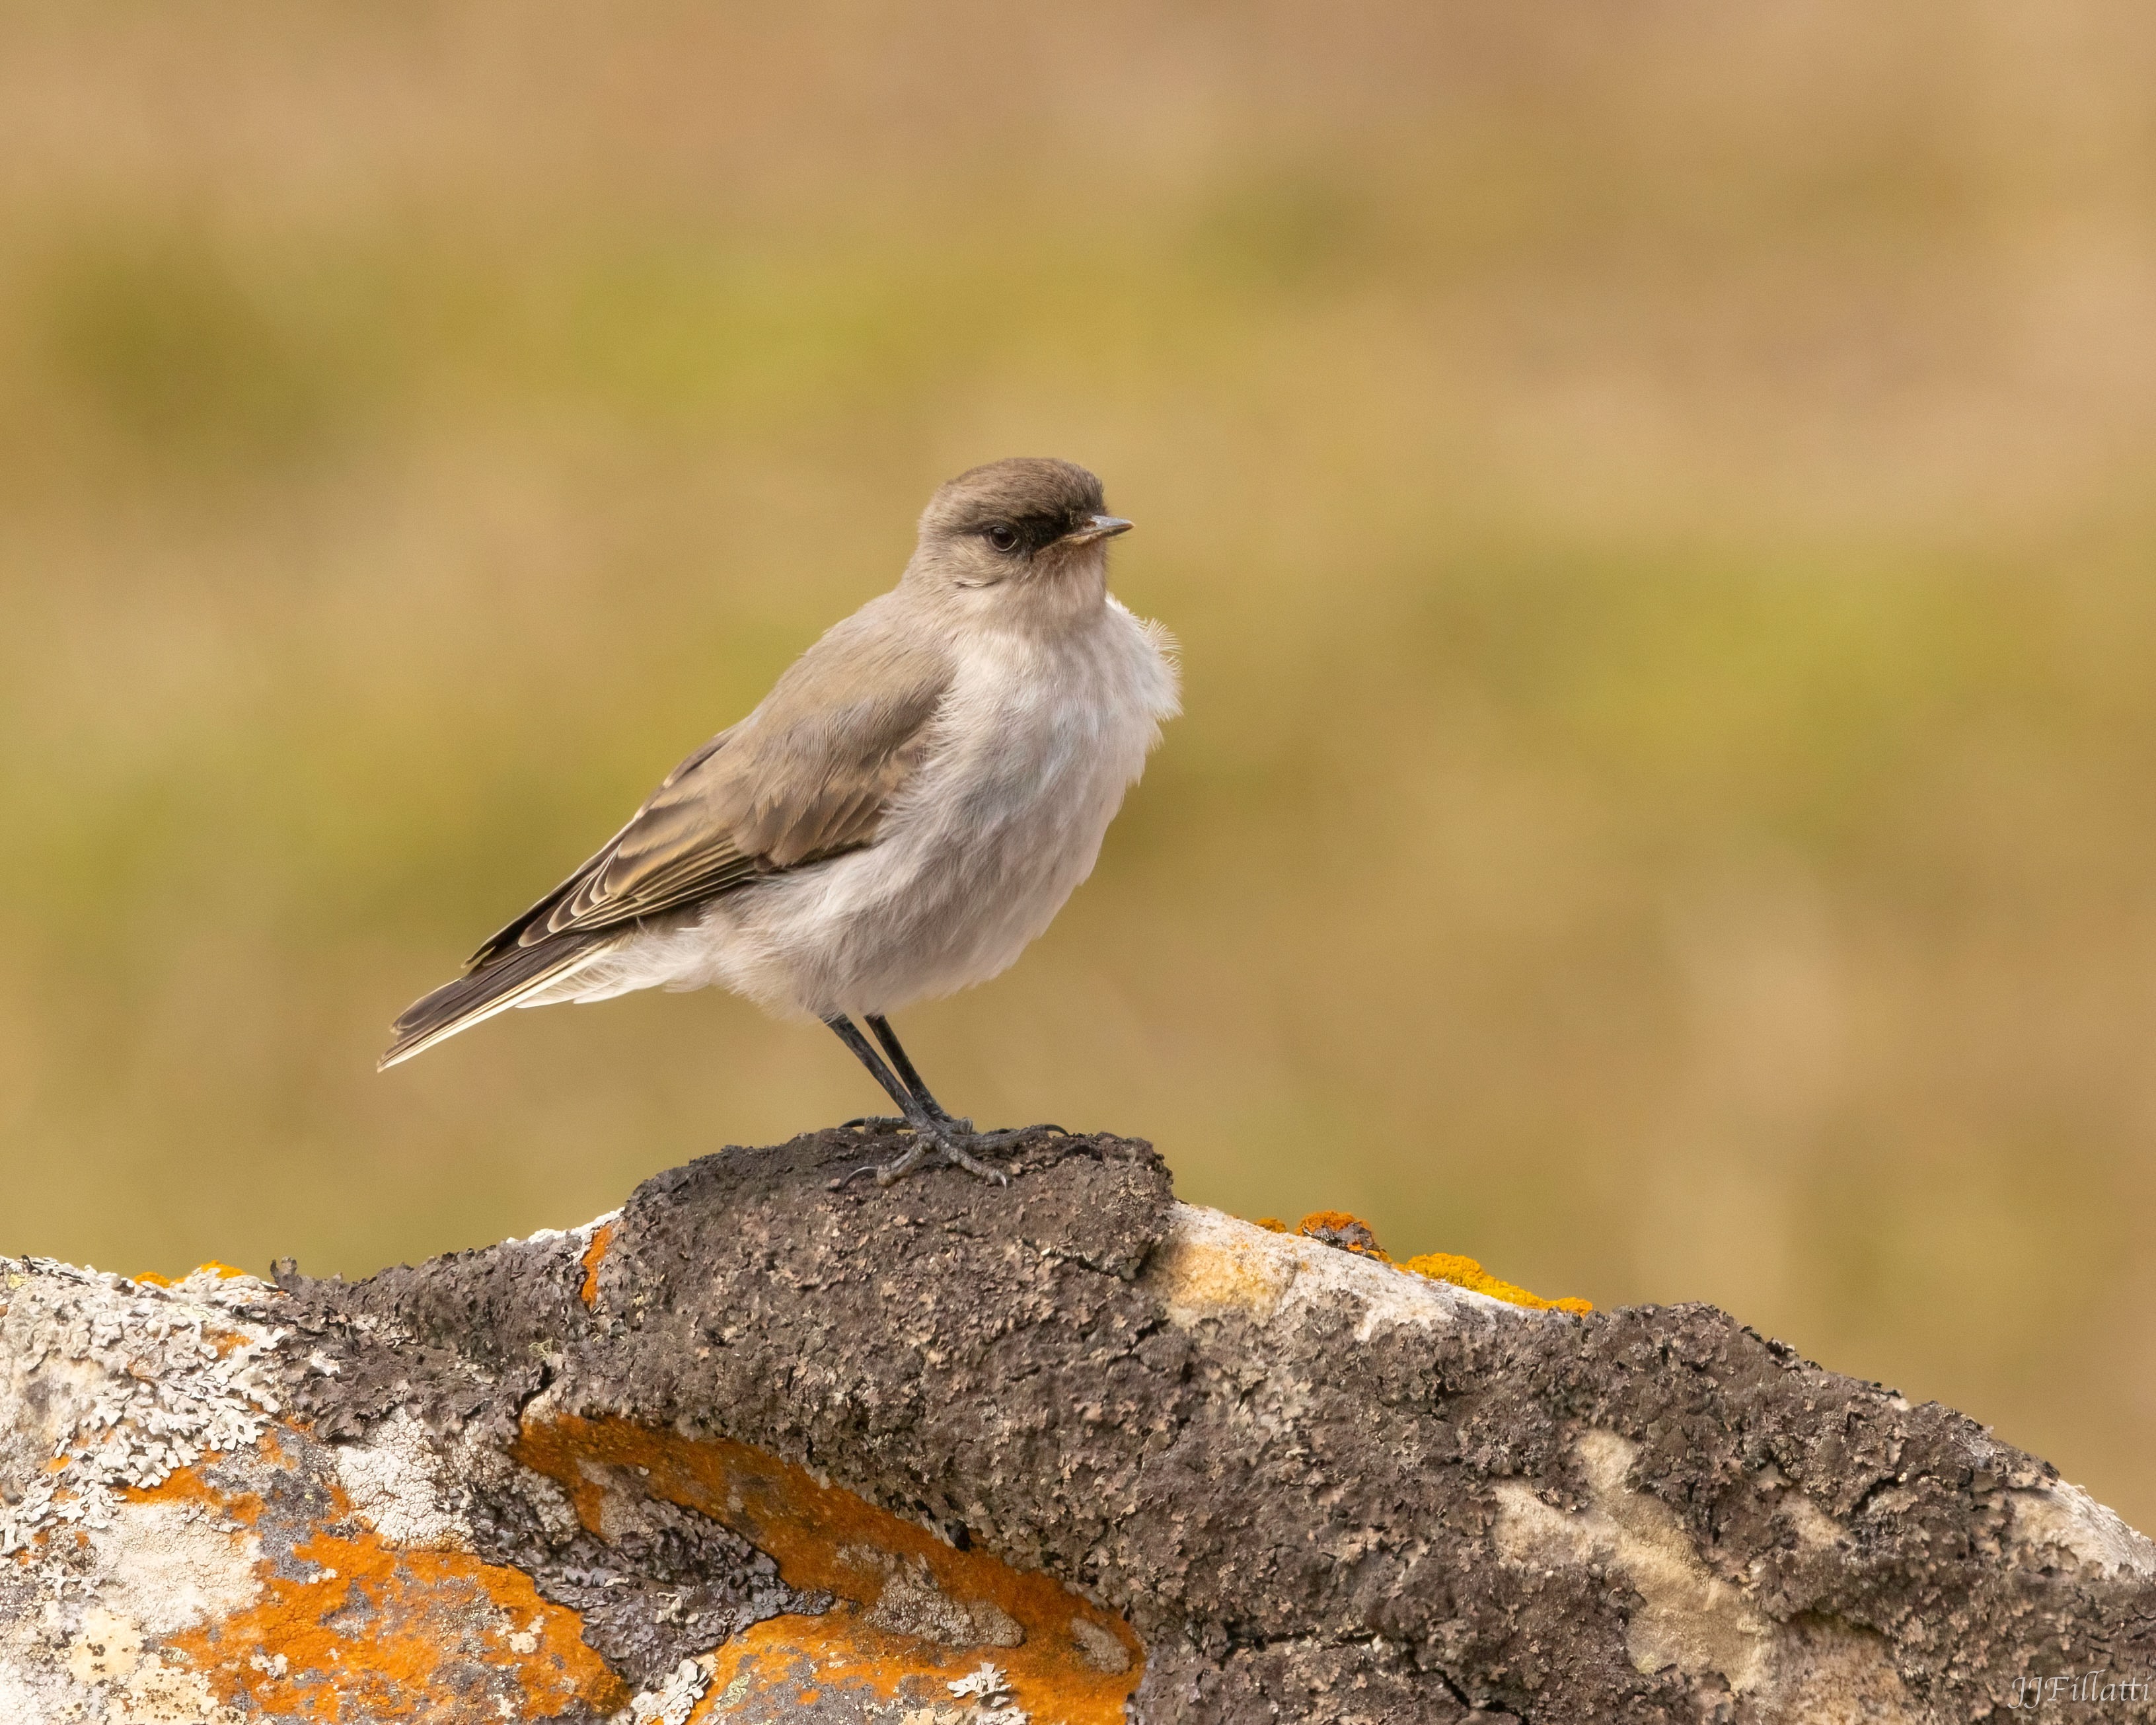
x=1656 y=502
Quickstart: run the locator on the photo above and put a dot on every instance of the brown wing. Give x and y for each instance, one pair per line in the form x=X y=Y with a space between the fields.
x=807 y=775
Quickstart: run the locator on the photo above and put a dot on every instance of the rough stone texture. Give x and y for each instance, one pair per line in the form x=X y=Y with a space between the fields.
x=171 y=1550
x=1254 y=1475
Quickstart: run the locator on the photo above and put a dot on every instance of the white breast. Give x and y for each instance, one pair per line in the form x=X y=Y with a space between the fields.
x=1034 y=749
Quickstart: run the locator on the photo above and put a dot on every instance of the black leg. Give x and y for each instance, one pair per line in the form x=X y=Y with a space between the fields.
x=911 y=1079
x=904 y=1067
x=852 y=1037
x=929 y=1132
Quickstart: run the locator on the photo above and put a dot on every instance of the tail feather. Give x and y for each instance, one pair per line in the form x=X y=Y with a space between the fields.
x=492 y=988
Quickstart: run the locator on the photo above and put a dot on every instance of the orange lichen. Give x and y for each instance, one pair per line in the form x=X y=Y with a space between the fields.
x=594 y=1256
x=826 y=1539
x=224 y=1272
x=840 y=1654
x=1466 y=1273
x=1336 y=1227
x=377 y=1635
x=186 y=1485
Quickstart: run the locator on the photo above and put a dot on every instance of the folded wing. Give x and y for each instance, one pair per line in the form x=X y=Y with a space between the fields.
x=809 y=776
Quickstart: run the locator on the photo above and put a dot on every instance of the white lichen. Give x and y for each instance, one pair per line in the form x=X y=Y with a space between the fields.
x=1689 y=1618
x=673 y=1700
x=2058 y=1516
x=991 y=1688
x=394 y=1480
x=108 y=1385
x=581 y=1233
x=136 y=1380
x=1213 y=1265
x=988 y=1682
x=166 y=1566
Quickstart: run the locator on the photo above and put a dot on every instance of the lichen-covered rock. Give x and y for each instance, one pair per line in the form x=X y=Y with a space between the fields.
x=759 y=1448
x=176 y=1550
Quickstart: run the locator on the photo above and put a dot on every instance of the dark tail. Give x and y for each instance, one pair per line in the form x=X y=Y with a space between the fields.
x=479 y=994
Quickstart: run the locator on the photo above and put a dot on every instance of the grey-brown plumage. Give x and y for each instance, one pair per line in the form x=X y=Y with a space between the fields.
x=807 y=777
x=907 y=809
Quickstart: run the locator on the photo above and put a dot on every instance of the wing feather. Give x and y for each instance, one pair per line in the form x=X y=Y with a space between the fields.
x=809 y=776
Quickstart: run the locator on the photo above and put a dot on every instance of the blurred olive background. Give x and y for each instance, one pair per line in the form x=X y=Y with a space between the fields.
x=1656 y=502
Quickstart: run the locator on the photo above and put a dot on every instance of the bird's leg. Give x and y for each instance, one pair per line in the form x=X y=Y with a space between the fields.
x=929 y=1132
x=905 y=1067
x=908 y=1074
x=912 y=1114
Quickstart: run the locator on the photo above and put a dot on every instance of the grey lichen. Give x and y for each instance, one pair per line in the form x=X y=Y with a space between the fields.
x=909 y=1602
x=132 y=1381
x=109 y=1387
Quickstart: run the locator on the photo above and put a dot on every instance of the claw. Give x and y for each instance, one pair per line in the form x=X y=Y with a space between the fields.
x=946 y=1137
x=957 y=1156
x=951 y=1153
x=1012 y=1135
x=892 y=1172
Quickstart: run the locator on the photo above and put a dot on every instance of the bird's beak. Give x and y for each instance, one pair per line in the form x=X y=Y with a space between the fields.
x=1098 y=527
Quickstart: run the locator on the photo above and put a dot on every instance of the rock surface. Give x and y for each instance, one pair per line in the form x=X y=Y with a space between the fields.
x=754 y=1449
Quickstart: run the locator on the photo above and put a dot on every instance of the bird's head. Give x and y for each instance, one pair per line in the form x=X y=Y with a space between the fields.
x=1026 y=529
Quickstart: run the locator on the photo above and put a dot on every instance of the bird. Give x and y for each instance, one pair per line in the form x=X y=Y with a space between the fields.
x=898 y=819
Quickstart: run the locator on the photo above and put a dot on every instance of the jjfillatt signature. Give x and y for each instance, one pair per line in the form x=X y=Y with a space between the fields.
x=2080 y=1685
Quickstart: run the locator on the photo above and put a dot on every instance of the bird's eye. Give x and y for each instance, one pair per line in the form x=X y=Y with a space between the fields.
x=1003 y=536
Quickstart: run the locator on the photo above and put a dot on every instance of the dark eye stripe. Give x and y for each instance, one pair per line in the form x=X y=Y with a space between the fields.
x=1033 y=531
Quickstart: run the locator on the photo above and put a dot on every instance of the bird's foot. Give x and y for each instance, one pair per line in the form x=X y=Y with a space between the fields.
x=953 y=1146
x=898 y=1122
x=1004 y=1136
x=948 y=1141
